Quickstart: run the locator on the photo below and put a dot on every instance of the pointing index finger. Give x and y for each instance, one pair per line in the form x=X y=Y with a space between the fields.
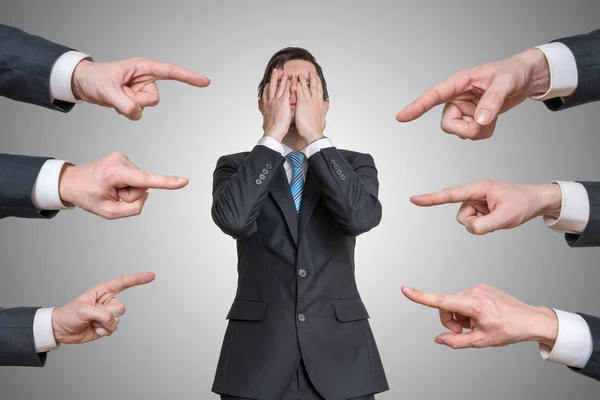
x=434 y=96
x=441 y=301
x=165 y=71
x=118 y=285
x=456 y=194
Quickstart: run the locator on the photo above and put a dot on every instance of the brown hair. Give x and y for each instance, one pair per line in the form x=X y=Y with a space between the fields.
x=289 y=54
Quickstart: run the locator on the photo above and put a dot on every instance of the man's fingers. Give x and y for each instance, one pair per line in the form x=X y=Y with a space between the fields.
x=441 y=301
x=473 y=339
x=165 y=71
x=491 y=102
x=465 y=212
x=299 y=91
x=123 y=209
x=131 y=194
x=304 y=86
x=313 y=84
x=447 y=319
x=124 y=104
x=118 y=285
x=265 y=94
x=101 y=316
x=480 y=225
x=439 y=94
x=116 y=308
x=282 y=85
x=146 y=179
x=320 y=92
x=455 y=194
x=273 y=84
x=455 y=122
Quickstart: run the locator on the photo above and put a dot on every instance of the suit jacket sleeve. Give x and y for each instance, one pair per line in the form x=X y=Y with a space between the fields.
x=17 y=177
x=592 y=368
x=586 y=49
x=349 y=191
x=17 y=345
x=240 y=190
x=25 y=65
x=590 y=237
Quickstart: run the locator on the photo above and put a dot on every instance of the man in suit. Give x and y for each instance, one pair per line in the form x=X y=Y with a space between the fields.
x=295 y=204
x=28 y=334
x=37 y=71
x=563 y=74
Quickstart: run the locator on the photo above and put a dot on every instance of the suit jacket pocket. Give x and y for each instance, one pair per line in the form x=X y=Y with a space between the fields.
x=247 y=310
x=350 y=310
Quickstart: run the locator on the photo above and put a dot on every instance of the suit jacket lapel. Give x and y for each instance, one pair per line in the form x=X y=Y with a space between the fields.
x=280 y=191
x=310 y=197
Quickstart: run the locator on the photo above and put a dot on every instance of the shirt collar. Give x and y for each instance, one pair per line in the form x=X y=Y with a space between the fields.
x=287 y=150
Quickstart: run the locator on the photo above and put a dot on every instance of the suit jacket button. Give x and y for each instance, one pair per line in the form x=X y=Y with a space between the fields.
x=258 y=182
x=332 y=161
x=343 y=177
x=301 y=317
x=336 y=167
x=302 y=273
x=265 y=171
x=268 y=166
x=339 y=172
x=262 y=177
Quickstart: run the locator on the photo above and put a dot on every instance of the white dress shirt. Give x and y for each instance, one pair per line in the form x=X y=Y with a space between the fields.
x=574 y=343
x=308 y=151
x=45 y=195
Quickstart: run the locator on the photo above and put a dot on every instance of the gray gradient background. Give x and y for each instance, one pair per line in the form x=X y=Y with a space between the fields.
x=377 y=57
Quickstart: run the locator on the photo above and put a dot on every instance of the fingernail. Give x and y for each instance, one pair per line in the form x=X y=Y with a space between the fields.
x=439 y=341
x=483 y=117
x=408 y=289
x=180 y=179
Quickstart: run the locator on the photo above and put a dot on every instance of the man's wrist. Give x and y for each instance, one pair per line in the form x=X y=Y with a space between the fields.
x=544 y=326
x=66 y=183
x=550 y=200
x=539 y=70
x=312 y=137
x=55 y=317
x=275 y=134
x=79 y=77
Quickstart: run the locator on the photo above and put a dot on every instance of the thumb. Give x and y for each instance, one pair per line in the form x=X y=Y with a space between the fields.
x=124 y=104
x=491 y=102
x=480 y=225
x=473 y=339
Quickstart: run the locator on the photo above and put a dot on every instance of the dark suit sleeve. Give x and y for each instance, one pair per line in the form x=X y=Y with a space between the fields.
x=17 y=345
x=17 y=177
x=586 y=49
x=592 y=368
x=590 y=237
x=239 y=192
x=349 y=191
x=25 y=65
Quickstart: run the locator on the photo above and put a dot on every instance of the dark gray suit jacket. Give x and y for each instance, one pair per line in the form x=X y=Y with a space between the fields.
x=586 y=49
x=25 y=65
x=297 y=299
x=17 y=347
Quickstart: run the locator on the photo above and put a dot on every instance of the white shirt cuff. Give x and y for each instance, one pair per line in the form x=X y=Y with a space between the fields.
x=563 y=71
x=45 y=194
x=574 y=343
x=43 y=334
x=317 y=145
x=271 y=143
x=575 y=209
x=61 y=76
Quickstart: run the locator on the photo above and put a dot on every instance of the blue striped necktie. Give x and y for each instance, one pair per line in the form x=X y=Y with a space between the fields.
x=297 y=184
